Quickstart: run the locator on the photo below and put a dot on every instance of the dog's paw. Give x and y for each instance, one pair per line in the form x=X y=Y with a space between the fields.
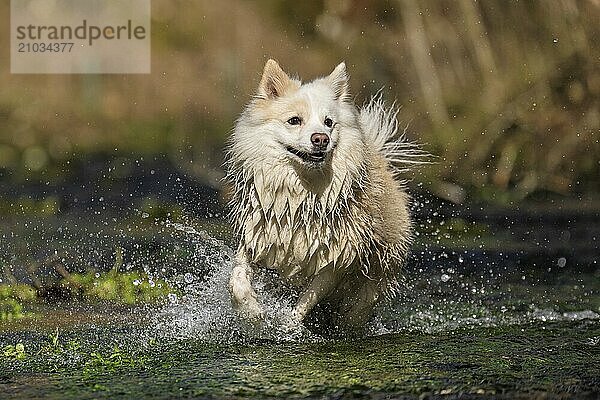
x=246 y=304
x=245 y=300
x=251 y=311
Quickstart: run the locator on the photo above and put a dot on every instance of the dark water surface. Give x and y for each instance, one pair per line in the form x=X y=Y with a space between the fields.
x=489 y=309
x=560 y=358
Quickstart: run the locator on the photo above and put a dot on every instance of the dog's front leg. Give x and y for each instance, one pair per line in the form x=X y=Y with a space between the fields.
x=243 y=295
x=319 y=288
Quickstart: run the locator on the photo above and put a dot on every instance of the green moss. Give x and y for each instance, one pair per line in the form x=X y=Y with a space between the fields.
x=99 y=363
x=12 y=298
x=555 y=359
x=114 y=286
x=10 y=309
x=16 y=351
x=21 y=292
x=119 y=287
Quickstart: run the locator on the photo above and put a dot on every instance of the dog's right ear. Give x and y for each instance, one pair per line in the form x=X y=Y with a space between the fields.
x=339 y=82
x=274 y=81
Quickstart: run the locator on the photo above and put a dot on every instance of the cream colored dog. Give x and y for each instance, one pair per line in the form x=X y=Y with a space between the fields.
x=315 y=196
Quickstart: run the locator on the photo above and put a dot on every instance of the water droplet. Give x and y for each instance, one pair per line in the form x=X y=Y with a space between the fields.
x=188 y=277
x=562 y=262
x=145 y=215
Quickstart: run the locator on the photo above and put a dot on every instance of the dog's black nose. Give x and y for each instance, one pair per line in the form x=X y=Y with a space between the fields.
x=319 y=140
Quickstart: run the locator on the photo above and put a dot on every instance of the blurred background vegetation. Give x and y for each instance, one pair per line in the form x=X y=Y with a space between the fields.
x=505 y=94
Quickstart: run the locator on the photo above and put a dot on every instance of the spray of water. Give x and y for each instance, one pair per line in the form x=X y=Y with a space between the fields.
x=204 y=310
x=433 y=301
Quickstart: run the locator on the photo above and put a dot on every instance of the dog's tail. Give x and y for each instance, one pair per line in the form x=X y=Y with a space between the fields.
x=382 y=130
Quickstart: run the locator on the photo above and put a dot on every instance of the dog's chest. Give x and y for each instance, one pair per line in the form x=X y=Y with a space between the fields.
x=298 y=232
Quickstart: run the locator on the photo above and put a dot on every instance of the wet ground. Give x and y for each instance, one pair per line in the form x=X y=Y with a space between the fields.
x=542 y=359
x=497 y=303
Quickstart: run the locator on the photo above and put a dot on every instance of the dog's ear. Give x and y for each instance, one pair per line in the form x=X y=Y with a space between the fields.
x=274 y=81
x=338 y=80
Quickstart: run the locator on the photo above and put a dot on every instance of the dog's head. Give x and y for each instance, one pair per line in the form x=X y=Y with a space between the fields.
x=295 y=121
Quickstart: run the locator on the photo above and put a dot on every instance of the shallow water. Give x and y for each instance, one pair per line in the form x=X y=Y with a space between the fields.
x=468 y=323
x=555 y=357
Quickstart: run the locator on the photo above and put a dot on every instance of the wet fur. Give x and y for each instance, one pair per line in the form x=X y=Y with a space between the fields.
x=338 y=231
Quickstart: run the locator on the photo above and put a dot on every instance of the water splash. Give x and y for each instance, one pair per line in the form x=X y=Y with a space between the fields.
x=204 y=308
x=431 y=302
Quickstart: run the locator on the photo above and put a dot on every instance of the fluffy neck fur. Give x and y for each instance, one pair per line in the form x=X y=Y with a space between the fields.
x=288 y=216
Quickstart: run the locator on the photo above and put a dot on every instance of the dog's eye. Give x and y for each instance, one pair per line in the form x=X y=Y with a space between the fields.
x=328 y=122
x=294 y=121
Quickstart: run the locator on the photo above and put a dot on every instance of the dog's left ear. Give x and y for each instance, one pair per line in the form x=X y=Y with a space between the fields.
x=338 y=80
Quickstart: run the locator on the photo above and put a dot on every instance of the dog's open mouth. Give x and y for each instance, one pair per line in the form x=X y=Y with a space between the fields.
x=316 y=157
